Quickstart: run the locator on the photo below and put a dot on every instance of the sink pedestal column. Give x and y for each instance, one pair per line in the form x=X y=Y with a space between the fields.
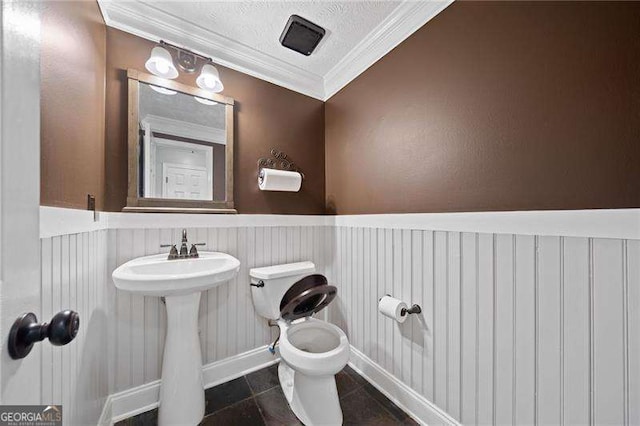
x=182 y=390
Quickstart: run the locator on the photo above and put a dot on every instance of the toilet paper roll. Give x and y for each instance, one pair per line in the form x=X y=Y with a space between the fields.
x=279 y=180
x=392 y=308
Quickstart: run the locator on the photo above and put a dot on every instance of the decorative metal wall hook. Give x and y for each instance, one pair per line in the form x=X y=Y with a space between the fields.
x=280 y=161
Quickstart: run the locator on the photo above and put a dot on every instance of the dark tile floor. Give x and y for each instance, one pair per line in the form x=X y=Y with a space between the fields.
x=256 y=399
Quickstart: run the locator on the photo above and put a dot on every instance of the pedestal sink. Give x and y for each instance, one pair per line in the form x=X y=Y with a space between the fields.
x=180 y=281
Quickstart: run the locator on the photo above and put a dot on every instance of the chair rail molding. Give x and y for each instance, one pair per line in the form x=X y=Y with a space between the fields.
x=598 y=223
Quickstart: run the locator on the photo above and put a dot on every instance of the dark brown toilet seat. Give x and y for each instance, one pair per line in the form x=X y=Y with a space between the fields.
x=307 y=296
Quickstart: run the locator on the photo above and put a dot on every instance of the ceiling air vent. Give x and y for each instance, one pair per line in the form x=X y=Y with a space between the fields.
x=301 y=35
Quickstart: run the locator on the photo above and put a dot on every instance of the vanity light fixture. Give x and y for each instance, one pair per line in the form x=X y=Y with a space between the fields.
x=209 y=79
x=205 y=101
x=161 y=64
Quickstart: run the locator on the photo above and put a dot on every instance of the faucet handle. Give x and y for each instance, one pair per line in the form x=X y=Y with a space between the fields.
x=173 y=253
x=194 y=251
x=184 y=235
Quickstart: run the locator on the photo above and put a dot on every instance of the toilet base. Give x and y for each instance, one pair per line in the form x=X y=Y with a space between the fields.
x=313 y=399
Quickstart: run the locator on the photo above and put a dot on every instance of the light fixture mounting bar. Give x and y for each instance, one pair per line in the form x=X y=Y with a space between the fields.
x=163 y=64
x=182 y=49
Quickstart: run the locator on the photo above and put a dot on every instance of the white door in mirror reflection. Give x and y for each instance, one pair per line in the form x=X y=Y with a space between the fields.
x=179 y=170
x=184 y=182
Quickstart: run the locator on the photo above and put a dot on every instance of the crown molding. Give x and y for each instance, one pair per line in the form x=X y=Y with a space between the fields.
x=146 y=21
x=405 y=19
x=172 y=127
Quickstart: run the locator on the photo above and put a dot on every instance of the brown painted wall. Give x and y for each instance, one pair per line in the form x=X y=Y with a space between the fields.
x=72 y=104
x=494 y=106
x=266 y=116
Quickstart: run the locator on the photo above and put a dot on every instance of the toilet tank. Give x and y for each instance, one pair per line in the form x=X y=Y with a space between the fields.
x=270 y=283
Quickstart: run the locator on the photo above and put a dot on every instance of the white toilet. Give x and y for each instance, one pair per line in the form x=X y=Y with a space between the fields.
x=312 y=351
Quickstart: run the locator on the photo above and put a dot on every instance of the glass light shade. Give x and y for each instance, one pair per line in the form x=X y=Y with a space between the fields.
x=209 y=79
x=163 y=90
x=205 y=101
x=161 y=64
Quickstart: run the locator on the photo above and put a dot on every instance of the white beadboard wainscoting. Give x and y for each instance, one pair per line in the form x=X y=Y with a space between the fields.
x=228 y=323
x=515 y=329
x=520 y=324
x=74 y=276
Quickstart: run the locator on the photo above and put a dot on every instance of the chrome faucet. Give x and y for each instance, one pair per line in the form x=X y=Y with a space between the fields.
x=185 y=252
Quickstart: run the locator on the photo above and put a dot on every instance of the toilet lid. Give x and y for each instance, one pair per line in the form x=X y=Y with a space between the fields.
x=307 y=296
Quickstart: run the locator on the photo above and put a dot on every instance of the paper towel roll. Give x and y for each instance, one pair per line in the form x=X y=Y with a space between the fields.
x=392 y=308
x=279 y=180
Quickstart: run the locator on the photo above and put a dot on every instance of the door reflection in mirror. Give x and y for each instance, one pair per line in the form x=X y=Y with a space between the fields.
x=182 y=146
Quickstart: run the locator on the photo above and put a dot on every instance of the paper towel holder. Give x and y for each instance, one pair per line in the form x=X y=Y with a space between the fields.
x=414 y=309
x=280 y=161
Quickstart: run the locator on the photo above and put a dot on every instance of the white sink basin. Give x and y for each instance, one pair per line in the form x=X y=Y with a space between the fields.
x=181 y=282
x=157 y=276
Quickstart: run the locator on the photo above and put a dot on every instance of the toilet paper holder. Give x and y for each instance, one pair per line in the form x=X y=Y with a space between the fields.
x=280 y=161
x=414 y=309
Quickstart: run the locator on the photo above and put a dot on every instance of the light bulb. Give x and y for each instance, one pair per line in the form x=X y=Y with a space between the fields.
x=162 y=67
x=209 y=81
x=160 y=63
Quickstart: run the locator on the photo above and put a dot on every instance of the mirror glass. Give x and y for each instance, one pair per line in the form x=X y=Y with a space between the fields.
x=182 y=145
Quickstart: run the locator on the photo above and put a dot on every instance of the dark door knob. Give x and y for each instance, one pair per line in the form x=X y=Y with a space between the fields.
x=26 y=331
x=63 y=327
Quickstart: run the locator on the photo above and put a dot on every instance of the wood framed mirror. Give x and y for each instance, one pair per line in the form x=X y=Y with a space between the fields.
x=180 y=143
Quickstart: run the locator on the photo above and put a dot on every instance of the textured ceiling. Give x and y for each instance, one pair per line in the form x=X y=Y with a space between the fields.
x=258 y=24
x=244 y=35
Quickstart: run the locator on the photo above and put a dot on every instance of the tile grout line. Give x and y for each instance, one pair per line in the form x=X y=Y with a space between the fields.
x=258 y=406
x=251 y=396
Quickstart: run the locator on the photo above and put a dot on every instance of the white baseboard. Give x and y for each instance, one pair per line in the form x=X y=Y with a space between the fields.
x=131 y=402
x=107 y=414
x=414 y=404
x=237 y=366
x=134 y=401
